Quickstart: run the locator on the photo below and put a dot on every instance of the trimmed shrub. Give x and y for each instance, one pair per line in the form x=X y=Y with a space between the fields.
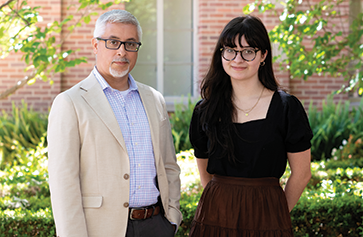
x=328 y=217
x=25 y=223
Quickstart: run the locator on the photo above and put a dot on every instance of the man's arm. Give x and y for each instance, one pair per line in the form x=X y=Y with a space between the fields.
x=172 y=170
x=64 y=169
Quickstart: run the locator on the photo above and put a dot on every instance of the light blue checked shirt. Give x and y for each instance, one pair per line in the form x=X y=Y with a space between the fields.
x=131 y=117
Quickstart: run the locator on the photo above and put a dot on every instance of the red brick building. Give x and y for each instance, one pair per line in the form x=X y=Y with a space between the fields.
x=178 y=40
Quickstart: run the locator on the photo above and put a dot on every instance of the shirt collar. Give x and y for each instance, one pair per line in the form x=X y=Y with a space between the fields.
x=105 y=85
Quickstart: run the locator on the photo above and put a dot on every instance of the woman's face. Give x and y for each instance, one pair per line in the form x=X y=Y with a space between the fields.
x=240 y=69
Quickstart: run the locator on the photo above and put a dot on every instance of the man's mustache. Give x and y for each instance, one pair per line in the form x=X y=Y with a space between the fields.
x=121 y=60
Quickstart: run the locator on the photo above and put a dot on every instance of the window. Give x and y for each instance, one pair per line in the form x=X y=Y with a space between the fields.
x=167 y=56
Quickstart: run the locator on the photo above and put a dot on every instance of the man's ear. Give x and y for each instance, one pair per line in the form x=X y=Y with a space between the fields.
x=95 y=45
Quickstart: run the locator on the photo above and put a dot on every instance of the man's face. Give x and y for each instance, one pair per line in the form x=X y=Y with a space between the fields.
x=115 y=64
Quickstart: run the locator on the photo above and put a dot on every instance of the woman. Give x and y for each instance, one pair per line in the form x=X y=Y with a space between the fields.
x=243 y=131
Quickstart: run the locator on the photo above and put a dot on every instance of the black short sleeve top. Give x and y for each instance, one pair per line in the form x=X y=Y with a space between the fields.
x=261 y=146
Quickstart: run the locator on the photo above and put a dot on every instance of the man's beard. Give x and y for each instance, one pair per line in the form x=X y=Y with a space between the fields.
x=116 y=73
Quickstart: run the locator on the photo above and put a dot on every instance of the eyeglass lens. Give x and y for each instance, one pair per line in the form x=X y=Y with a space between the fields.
x=248 y=54
x=115 y=44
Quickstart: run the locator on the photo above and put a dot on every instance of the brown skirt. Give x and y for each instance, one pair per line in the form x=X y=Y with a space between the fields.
x=253 y=207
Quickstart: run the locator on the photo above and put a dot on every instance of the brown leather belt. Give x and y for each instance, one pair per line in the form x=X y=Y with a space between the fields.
x=140 y=213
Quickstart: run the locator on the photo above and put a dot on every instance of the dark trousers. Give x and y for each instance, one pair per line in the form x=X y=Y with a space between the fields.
x=156 y=226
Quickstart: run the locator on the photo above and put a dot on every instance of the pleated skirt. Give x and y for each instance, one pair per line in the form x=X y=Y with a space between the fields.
x=243 y=207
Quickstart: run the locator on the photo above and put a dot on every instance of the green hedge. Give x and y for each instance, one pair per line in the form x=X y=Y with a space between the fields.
x=317 y=216
x=311 y=217
x=24 y=223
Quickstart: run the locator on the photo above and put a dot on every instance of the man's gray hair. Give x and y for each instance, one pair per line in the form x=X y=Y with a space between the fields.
x=116 y=16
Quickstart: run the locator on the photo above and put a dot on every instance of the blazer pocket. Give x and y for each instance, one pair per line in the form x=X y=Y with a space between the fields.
x=163 y=122
x=92 y=202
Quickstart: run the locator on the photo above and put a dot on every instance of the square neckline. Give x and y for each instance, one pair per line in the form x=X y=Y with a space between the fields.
x=267 y=113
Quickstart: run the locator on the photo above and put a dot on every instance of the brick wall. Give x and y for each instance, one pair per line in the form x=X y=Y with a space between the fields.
x=39 y=95
x=213 y=16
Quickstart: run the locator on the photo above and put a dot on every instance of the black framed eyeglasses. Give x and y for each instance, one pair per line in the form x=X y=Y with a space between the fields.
x=113 y=44
x=248 y=54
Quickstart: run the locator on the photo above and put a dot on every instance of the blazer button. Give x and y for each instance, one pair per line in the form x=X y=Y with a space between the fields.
x=126 y=204
x=126 y=176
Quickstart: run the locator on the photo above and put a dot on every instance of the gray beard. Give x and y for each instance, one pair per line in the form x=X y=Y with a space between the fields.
x=115 y=73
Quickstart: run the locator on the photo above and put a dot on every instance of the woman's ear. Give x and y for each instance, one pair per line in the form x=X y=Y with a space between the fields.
x=263 y=56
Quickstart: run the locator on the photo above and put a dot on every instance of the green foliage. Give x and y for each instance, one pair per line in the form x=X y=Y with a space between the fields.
x=328 y=217
x=43 y=55
x=330 y=127
x=352 y=149
x=26 y=223
x=24 y=183
x=24 y=194
x=23 y=127
x=191 y=189
x=180 y=121
x=314 y=39
x=350 y=163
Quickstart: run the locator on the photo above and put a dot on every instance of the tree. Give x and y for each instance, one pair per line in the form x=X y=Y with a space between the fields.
x=20 y=33
x=314 y=40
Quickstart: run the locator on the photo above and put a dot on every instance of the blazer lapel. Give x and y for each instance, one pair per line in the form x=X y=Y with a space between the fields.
x=95 y=97
x=148 y=101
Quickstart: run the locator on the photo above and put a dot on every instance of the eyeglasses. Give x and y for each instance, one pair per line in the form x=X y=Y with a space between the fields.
x=113 y=44
x=248 y=54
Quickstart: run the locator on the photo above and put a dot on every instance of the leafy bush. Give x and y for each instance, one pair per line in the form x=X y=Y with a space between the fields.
x=191 y=189
x=318 y=216
x=23 y=127
x=25 y=223
x=333 y=124
x=350 y=163
x=351 y=149
x=330 y=127
x=180 y=121
x=24 y=184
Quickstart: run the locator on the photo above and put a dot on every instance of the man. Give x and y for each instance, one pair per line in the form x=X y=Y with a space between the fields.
x=112 y=164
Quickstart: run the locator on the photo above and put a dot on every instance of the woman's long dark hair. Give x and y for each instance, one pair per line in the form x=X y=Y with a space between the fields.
x=217 y=109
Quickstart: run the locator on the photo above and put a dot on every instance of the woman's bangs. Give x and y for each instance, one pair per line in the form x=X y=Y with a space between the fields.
x=251 y=41
x=229 y=37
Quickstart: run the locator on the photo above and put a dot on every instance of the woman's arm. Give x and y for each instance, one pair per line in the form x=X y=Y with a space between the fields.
x=300 y=176
x=205 y=177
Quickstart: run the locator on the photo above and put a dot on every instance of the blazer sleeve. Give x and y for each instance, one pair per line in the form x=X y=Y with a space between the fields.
x=172 y=169
x=64 y=168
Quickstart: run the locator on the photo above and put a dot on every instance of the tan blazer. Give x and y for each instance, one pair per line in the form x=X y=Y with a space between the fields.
x=89 y=166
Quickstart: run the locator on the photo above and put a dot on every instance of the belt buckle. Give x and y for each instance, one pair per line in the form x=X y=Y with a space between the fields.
x=145 y=215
